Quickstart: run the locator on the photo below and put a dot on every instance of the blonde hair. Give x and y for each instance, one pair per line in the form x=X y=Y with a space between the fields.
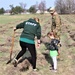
x=52 y=34
x=37 y=19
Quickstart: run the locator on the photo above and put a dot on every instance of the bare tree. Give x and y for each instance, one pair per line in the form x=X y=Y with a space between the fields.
x=42 y=6
x=36 y=5
x=32 y=9
x=70 y=5
x=23 y=5
x=65 y=6
x=12 y=7
x=60 y=6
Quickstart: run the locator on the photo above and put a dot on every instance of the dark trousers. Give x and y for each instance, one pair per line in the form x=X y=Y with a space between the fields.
x=32 y=50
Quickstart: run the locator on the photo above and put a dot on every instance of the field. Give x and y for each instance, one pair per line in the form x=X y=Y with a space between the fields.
x=66 y=65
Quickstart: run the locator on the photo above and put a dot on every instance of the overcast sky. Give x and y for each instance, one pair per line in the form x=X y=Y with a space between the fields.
x=5 y=3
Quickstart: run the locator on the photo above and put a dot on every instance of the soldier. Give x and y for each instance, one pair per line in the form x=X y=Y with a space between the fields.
x=56 y=24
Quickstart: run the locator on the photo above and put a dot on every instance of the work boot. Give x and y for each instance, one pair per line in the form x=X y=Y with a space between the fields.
x=15 y=62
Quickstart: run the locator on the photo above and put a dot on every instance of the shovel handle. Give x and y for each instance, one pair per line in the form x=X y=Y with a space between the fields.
x=12 y=44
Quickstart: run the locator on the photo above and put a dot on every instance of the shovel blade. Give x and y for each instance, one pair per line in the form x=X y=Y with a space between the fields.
x=9 y=61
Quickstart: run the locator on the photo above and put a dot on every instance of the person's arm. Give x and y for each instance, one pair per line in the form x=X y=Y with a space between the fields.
x=19 y=26
x=38 y=35
x=58 y=23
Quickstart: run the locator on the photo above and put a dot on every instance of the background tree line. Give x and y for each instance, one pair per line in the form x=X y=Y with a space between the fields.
x=2 y=10
x=65 y=6
x=62 y=7
x=22 y=8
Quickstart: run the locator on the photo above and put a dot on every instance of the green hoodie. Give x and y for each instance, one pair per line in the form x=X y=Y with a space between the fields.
x=31 y=28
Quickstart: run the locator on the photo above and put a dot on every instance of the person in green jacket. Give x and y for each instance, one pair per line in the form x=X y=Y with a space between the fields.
x=31 y=29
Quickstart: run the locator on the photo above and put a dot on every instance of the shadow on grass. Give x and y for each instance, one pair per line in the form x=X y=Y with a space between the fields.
x=47 y=56
x=27 y=56
x=48 y=59
x=25 y=61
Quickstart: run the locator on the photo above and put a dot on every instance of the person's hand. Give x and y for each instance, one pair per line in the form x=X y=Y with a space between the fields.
x=38 y=43
x=14 y=28
x=58 y=52
x=54 y=30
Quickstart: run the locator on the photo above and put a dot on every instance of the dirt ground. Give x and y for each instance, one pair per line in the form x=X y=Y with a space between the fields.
x=66 y=65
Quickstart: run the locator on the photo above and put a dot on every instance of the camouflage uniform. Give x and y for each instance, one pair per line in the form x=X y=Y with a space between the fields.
x=56 y=25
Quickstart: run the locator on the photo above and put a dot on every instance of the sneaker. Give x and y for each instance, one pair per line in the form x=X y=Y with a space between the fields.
x=35 y=69
x=15 y=62
x=55 y=70
x=52 y=67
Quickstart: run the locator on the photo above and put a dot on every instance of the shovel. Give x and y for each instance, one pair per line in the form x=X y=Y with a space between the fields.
x=11 y=49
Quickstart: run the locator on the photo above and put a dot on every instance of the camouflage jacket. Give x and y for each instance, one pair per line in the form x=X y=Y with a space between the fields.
x=56 y=23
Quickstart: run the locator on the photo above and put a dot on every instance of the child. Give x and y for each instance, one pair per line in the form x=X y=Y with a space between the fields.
x=53 y=49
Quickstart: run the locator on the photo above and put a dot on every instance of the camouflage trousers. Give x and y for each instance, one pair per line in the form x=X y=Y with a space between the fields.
x=58 y=34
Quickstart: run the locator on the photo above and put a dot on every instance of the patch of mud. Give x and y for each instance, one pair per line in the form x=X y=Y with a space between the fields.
x=8 y=42
x=11 y=27
x=3 y=31
x=23 y=65
x=72 y=34
x=73 y=44
x=10 y=70
x=34 y=73
x=2 y=49
x=0 y=26
x=41 y=60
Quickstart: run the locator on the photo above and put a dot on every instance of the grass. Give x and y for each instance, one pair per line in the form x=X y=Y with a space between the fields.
x=5 y=19
x=65 y=67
